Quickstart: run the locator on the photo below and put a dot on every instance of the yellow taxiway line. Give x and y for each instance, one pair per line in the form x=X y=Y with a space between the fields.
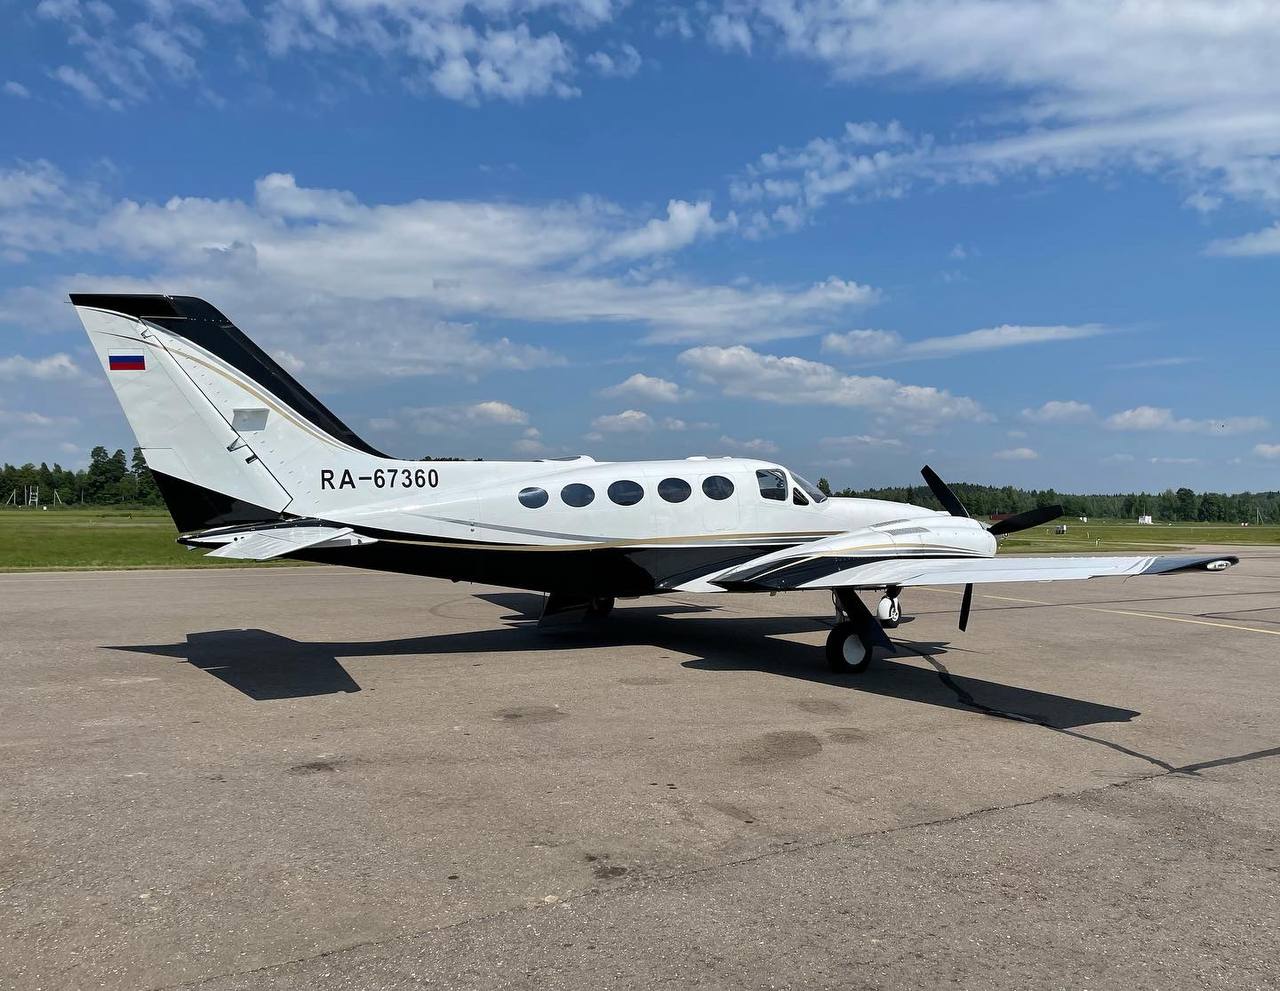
x=1118 y=612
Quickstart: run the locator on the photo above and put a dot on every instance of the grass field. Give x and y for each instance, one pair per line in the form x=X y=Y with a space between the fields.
x=100 y=537
x=1117 y=535
x=144 y=538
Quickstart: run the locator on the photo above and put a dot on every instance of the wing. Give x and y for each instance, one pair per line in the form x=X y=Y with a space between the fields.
x=272 y=541
x=811 y=572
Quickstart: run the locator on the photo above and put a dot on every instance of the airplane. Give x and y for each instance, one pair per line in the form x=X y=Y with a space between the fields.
x=253 y=467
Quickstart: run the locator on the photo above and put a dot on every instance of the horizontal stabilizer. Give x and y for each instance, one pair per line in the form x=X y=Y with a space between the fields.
x=263 y=545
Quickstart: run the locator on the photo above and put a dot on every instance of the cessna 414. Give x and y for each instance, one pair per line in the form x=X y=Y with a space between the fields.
x=254 y=467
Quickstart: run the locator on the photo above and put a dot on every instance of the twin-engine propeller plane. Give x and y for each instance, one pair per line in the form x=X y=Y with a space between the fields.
x=254 y=467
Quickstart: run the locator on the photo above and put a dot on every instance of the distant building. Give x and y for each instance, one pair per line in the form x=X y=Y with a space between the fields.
x=1061 y=528
x=1084 y=519
x=1146 y=519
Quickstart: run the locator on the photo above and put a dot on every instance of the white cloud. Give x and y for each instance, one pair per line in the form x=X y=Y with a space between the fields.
x=860 y=440
x=886 y=344
x=756 y=445
x=740 y=371
x=15 y=88
x=1171 y=361
x=1174 y=461
x=684 y=224
x=467 y=50
x=54 y=367
x=1060 y=411
x=396 y=268
x=1162 y=418
x=628 y=421
x=648 y=387
x=1269 y=451
x=451 y=419
x=1263 y=242
x=623 y=63
x=1187 y=88
x=1016 y=454
x=729 y=33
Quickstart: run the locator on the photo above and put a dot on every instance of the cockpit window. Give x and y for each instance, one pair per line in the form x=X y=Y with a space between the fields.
x=811 y=490
x=798 y=498
x=773 y=484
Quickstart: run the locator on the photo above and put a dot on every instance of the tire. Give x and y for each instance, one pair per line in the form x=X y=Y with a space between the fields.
x=847 y=652
x=889 y=612
x=600 y=607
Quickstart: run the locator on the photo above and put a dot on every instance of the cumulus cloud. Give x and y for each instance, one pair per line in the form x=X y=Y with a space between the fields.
x=1269 y=451
x=684 y=224
x=1016 y=454
x=741 y=371
x=14 y=88
x=627 y=422
x=459 y=49
x=648 y=387
x=1162 y=418
x=624 y=62
x=449 y=419
x=1060 y=411
x=53 y=368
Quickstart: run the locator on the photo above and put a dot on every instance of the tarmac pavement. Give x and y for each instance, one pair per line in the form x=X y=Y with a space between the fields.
x=325 y=779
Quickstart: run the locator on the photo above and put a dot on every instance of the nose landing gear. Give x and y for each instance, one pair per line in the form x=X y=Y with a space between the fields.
x=888 y=611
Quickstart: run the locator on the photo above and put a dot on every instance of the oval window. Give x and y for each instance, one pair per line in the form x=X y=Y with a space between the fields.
x=626 y=492
x=674 y=489
x=577 y=495
x=717 y=487
x=533 y=497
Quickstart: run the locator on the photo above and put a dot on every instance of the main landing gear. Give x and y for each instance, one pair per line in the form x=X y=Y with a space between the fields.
x=858 y=632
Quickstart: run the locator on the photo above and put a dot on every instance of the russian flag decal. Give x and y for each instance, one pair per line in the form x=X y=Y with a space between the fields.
x=126 y=361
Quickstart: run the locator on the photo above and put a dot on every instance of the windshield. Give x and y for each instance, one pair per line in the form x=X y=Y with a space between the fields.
x=811 y=490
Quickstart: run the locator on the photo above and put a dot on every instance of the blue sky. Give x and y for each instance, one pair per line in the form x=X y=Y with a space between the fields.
x=1034 y=244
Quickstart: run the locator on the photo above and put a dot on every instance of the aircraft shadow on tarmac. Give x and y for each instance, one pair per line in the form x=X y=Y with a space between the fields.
x=266 y=666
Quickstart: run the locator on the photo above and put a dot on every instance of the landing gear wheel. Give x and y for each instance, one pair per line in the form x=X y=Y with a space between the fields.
x=600 y=607
x=889 y=612
x=847 y=652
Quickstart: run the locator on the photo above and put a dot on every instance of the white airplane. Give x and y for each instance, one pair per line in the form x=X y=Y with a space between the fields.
x=252 y=465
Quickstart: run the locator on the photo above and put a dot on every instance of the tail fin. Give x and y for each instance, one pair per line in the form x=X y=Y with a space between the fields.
x=229 y=435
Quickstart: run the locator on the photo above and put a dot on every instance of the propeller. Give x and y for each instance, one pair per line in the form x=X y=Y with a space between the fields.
x=1025 y=521
x=1019 y=521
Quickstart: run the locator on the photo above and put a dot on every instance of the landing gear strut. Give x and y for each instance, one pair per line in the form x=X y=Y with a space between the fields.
x=856 y=633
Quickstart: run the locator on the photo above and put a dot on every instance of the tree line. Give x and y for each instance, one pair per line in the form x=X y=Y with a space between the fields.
x=1170 y=506
x=116 y=480
x=109 y=480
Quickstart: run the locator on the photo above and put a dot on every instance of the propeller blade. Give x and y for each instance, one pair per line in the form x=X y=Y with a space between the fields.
x=950 y=501
x=1025 y=521
x=965 y=604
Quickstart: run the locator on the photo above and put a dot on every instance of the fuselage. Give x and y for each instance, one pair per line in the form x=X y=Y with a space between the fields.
x=578 y=525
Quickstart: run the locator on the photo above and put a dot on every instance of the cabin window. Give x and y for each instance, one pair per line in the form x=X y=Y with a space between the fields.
x=577 y=495
x=717 y=487
x=626 y=492
x=675 y=489
x=533 y=497
x=814 y=493
x=773 y=484
x=798 y=498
